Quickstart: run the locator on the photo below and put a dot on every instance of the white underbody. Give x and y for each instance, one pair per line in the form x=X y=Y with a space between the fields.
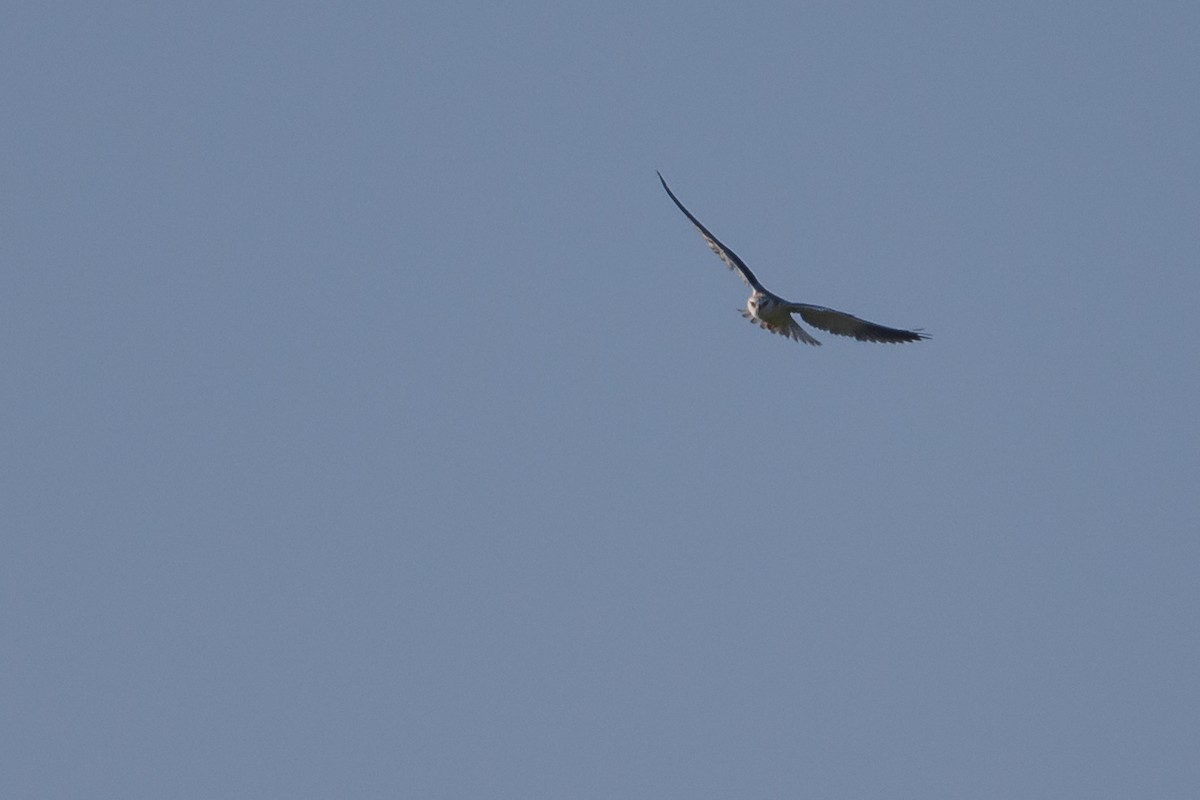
x=774 y=314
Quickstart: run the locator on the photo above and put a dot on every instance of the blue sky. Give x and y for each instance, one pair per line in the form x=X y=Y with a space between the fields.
x=374 y=426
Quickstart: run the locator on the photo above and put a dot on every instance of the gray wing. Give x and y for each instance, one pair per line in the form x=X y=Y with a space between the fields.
x=844 y=324
x=728 y=256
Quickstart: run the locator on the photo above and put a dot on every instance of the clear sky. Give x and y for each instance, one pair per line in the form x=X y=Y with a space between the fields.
x=375 y=427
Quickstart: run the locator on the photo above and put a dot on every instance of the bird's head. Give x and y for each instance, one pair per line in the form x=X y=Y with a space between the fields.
x=757 y=303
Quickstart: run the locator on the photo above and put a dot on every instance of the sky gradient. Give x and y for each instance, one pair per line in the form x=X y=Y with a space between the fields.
x=375 y=426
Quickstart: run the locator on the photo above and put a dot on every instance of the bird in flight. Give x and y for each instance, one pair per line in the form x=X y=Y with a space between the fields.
x=771 y=312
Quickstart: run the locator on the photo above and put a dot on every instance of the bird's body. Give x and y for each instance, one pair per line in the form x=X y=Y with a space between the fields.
x=771 y=312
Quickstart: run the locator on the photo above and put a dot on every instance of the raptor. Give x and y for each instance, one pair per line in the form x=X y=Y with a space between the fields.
x=773 y=313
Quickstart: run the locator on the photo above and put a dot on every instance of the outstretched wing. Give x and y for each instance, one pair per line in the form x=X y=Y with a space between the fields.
x=844 y=324
x=728 y=256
